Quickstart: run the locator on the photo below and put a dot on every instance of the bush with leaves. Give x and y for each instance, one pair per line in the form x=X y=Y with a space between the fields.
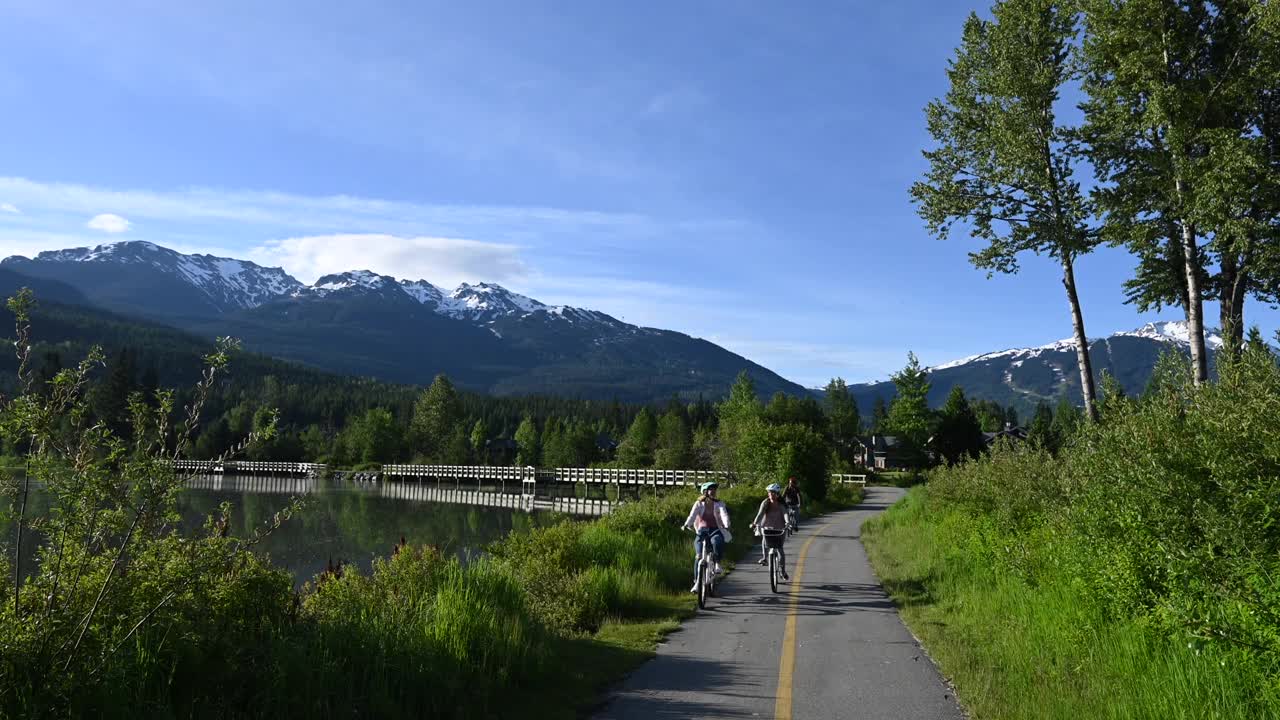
x=118 y=602
x=1165 y=511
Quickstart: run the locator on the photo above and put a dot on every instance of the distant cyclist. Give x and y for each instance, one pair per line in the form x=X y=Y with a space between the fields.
x=791 y=496
x=710 y=517
x=773 y=517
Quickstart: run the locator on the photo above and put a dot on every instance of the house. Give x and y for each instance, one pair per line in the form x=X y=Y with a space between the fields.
x=606 y=444
x=1010 y=432
x=882 y=452
x=501 y=451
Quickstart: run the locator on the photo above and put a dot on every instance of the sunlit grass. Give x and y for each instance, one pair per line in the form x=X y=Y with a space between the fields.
x=1018 y=651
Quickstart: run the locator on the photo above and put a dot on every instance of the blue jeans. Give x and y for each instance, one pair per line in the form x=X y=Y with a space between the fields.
x=712 y=535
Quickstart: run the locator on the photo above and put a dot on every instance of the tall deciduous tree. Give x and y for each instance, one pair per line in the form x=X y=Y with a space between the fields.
x=1004 y=162
x=1180 y=127
x=738 y=414
x=528 y=449
x=480 y=441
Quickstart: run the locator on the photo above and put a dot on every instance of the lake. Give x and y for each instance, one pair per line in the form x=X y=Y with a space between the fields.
x=342 y=521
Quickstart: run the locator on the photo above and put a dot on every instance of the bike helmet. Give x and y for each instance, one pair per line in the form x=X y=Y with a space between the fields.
x=774 y=487
x=708 y=485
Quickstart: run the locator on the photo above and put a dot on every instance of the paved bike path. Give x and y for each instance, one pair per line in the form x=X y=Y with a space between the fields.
x=850 y=655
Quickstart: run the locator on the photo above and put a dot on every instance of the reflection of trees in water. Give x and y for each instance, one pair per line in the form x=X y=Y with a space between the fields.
x=336 y=523
x=356 y=527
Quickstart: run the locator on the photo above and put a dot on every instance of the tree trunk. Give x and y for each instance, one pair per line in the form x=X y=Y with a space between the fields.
x=1082 y=340
x=1235 y=281
x=1195 y=302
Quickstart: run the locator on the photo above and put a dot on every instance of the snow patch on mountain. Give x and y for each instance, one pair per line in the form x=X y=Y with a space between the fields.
x=237 y=284
x=352 y=280
x=230 y=284
x=486 y=302
x=423 y=291
x=1174 y=332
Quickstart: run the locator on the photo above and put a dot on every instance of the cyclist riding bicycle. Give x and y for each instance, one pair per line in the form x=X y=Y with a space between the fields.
x=791 y=496
x=710 y=518
x=772 y=516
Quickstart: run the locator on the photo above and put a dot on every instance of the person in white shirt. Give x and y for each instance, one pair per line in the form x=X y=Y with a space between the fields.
x=710 y=518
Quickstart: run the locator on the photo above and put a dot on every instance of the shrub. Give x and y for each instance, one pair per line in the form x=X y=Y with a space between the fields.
x=1164 y=512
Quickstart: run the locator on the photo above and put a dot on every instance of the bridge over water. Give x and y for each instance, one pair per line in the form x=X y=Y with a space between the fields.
x=577 y=491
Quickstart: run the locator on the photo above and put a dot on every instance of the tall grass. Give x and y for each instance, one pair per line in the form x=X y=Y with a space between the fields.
x=1133 y=576
x=531 y=630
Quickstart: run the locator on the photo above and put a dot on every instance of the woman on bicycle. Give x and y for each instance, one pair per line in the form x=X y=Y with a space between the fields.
x=791 y=496
x=772 y=516
x=710 y=518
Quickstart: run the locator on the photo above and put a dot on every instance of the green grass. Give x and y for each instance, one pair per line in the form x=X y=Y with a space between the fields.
x=626 y=640
x=1017 y=650
x=539 y=628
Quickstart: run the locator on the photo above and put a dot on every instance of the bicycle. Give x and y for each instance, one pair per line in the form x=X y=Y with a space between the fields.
x=774 y=557
x=706 y=578
x=793 y=519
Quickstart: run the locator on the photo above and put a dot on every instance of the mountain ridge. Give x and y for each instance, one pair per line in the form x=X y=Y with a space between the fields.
x=486 y=337
x=1024 y=377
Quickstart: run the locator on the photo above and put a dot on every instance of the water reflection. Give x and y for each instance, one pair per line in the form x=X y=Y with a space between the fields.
x=341 y=521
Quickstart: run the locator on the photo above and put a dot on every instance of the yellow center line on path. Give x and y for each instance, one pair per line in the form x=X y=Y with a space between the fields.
x=787 y=666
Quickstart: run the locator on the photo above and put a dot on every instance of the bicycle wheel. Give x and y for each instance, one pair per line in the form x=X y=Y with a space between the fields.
x=702 y=584
x=773 y=569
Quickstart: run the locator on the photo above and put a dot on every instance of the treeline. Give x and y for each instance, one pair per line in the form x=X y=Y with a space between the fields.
x=955 y=432
x=352 y=422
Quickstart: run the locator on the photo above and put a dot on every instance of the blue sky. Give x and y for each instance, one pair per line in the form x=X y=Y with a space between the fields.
x=733 y=169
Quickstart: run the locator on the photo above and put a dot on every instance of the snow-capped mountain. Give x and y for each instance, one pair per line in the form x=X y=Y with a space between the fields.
x=1173 y=332
x=361 y=322
x=211 y=284
x=1024 y=377
x=228 y=285
x=352 y=281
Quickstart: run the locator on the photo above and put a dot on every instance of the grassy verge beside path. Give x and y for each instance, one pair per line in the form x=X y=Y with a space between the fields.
x=537 y=629
x=625 y=640
x=1042 y=650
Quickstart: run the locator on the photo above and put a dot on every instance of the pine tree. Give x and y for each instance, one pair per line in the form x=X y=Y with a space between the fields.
x=1041 y=431
x=959 y=433
x=674 y=443
x=436 y=415
x=909 y=416
x=879 y=416
x=1066 y=421
x=844 y=424
x=636 y=449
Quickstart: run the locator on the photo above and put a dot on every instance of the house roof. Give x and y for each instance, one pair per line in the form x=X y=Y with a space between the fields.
x=1011 y=432
x=880 y=443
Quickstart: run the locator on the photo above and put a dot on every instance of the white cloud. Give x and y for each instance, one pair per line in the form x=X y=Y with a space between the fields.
x=321 y=214
x=9 y=208
x=108 y=223
x=445 y=262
